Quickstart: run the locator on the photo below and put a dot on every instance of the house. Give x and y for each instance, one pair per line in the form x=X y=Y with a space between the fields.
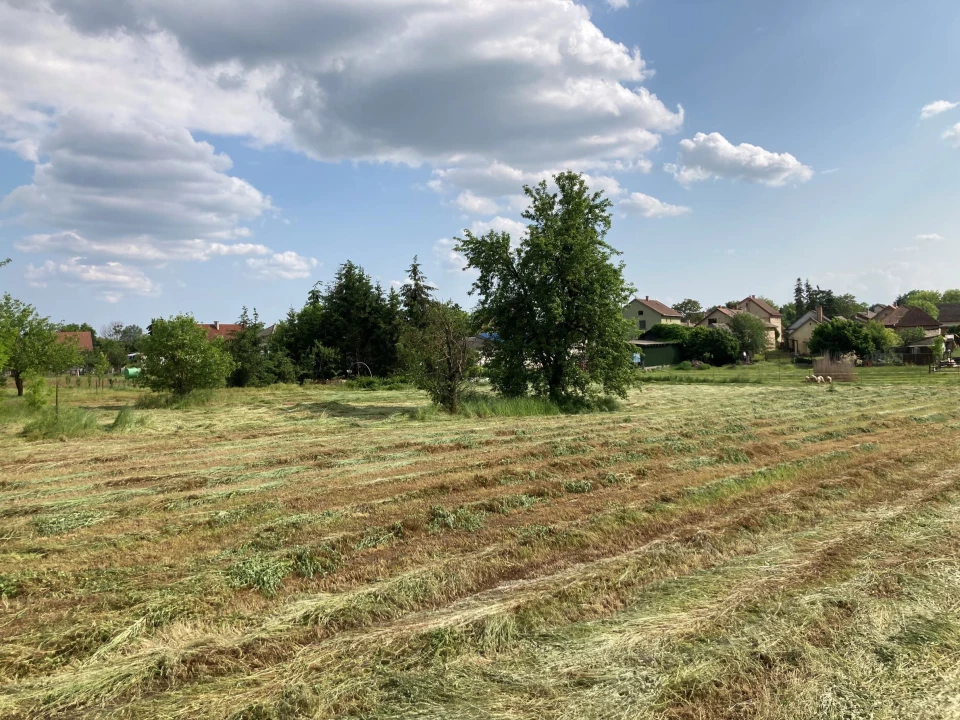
x=801 y=330
x=646 y=313
x=720 y=315
x=771 y=317
x=898 y=318
x=222 y=330
x=83 y=339
x=948 y=316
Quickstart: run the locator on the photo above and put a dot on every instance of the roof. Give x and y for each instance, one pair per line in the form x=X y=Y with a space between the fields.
x=658 y=307
x=219 y=329
x=930 y=339
x=903 y=316
x=763 y=305
x=83 y=337
x=802 y=320
x=949 y=313
x=653 y=343
x=883 y=313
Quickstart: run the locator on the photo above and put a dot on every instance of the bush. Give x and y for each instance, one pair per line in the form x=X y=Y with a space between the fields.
x=685 y=365
x=37 y=393
x=68 y=423
x=377 y=383
x=666 y=332
x=178 y=357
x=716 y=346
x=127 y=420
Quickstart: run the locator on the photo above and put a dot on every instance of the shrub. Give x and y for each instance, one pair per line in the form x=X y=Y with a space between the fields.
x=37 y=393
x=68 y=423
x=685 y=365
x=716 y=346
x=178 y=357
x=377 y=383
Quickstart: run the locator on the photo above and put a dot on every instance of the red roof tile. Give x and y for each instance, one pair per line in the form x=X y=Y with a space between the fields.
x=224 y=330
x=83 y=339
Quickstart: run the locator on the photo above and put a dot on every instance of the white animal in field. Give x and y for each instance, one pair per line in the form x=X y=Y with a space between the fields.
x=820 y=379
x=829 y=379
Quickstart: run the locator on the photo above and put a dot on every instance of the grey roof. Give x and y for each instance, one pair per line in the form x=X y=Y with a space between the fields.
x=800 y=321
x=949 y=313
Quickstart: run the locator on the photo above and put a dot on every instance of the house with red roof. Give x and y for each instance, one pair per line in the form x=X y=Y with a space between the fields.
x=222 y=330
x=645 y=313
x=83 y=339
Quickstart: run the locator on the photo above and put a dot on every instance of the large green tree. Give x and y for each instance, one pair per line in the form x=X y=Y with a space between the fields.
x=840 y=337
x=31 y=342
x=179 y=358
x=248 y=348
x=750 y=333
x=691 y=310
x=556 y=299
x=436 y=354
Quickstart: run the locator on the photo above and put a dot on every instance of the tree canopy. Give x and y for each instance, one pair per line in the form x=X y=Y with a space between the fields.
x=30 y=342
x=840 y=337
x=416 y=295
x=556 y=299
x=690 y=310
x=179 y=358
x=750 y=333
x=436 y=354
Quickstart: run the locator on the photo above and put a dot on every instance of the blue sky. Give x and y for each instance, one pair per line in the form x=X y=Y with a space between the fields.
x=159 y=157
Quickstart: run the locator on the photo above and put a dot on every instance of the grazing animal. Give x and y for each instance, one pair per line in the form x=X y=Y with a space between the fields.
x=820 y=379
x=829 y=379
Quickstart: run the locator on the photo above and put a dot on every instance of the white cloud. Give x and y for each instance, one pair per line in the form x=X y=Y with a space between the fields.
x=141 y=249
x=112 y=279
x=935 y=108
x=618 y=4
x=713 y=156
x=475 y=204
x=135 y=190
x=447 y=257
x=928 y=237
x=953 y=135
x=284 y=266
x=651 y=207
x=515 y=228
x=534 y=85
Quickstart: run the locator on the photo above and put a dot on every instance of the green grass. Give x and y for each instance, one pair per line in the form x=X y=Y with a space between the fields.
x=769 y=372
x=492 y=406
x=155 y=401
x=128 y=420
x=69 y=422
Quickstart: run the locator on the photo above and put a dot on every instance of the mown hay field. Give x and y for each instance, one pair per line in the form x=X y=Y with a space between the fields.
x=707 y=551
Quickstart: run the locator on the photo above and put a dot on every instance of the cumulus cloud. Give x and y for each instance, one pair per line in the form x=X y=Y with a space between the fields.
x=929 y=237
x=651 y=207
x=112 y=280
x=953 y=135
x=534 y=85
x=447 y=257
x=284 y=266
x=135 y=189
x=935 y=108
x=476 y=204
x=713 y=156
x=618 y=4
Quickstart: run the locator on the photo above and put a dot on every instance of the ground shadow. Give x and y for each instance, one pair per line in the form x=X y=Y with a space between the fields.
x=344 y=410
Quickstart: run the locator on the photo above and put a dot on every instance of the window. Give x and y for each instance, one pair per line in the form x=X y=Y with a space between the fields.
x=642 y=324
x=640 y=312
x=712 y=321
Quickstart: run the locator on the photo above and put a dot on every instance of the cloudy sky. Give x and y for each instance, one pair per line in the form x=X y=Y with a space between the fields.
x=159 y=156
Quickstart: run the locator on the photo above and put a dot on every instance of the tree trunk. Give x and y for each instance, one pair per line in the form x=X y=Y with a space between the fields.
x=18 y=381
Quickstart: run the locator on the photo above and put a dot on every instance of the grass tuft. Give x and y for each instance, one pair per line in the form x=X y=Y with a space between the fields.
x=68 y=423
x=127 y=420
x=167 y=401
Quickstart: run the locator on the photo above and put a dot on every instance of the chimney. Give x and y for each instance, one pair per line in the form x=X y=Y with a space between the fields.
x=216 y=324
x=648 y=297
x=819 y=313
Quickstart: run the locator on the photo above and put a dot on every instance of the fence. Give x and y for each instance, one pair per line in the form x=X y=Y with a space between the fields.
x=841 y=370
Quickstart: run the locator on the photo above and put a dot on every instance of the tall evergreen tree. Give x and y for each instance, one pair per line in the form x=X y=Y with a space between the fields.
x=417 y=294
x=799 y=300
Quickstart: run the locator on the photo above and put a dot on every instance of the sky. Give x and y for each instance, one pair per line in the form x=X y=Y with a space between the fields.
x=166 y=156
